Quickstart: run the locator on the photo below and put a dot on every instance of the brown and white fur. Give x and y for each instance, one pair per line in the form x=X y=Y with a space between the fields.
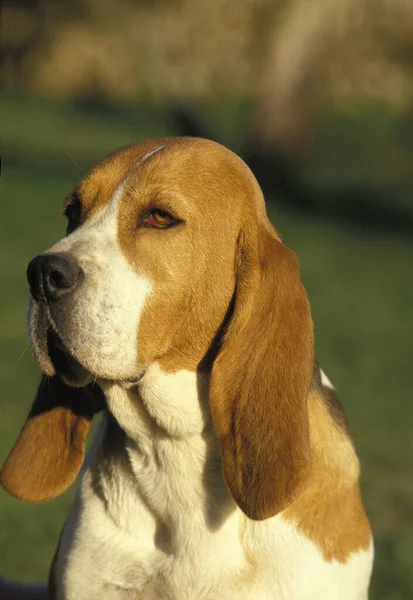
x=222 y=467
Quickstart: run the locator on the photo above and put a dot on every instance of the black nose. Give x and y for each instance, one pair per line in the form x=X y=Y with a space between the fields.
x=50 y=276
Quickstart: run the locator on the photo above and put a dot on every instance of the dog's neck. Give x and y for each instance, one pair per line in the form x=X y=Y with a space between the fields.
x=166 y=437
x=168 y=404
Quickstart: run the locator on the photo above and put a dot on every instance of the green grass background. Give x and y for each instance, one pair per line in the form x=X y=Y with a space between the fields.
x=360 y=287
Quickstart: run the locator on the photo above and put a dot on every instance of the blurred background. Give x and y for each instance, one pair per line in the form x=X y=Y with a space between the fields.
x=318 y=98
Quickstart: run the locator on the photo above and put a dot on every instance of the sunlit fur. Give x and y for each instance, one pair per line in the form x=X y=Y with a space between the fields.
x=156 y=520
x=223 y=481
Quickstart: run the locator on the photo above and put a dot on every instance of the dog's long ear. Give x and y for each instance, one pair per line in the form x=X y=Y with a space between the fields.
x=261 y=378
x=49 y=451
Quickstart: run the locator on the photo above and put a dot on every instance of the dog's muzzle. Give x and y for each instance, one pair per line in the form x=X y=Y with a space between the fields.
x=53 y=277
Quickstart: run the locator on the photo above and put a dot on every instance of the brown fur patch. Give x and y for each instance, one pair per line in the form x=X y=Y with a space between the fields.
x=49 y=451
x=330 y=512
x=261 y=378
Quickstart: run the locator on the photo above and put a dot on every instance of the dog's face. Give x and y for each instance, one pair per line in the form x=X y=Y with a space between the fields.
x=147 y=269
x=170 y=259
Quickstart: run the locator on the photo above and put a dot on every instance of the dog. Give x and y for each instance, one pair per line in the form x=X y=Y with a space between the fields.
x=222 y=467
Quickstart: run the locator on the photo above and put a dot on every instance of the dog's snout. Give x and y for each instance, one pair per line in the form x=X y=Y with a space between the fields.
x=51 y=276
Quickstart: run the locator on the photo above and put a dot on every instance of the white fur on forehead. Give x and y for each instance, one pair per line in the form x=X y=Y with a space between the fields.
x=149 y=154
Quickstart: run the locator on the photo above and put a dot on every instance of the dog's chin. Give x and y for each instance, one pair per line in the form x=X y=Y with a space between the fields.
x=66 y=366
x=71 y=371
x=55 y=358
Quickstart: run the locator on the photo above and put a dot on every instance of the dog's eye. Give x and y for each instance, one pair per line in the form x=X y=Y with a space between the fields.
x=159 y=219
x=72 y=212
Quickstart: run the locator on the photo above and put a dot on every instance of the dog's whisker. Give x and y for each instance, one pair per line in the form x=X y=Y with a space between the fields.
x=74 y=161
x=21 y=356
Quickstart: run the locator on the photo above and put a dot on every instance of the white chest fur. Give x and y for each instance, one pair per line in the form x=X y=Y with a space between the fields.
x=154 y=520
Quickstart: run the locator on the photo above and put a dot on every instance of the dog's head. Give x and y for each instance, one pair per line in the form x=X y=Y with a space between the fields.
x=169 y=257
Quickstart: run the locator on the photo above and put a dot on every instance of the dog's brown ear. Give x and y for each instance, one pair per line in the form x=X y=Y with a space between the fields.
x=49 y=451
x=261 y=378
